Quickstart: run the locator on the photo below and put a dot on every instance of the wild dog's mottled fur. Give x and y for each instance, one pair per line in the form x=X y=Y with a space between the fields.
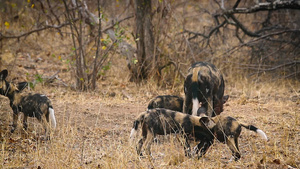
x=204 y=83
x=163 y=121
x=32 y=105
x=168 y=102
x=226 y=130
x=218 y=108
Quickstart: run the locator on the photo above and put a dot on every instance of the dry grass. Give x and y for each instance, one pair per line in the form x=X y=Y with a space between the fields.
x=94 y=127
x=93 y=130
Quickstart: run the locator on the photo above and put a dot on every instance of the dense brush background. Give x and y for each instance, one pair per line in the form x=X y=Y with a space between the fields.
x=94 y=125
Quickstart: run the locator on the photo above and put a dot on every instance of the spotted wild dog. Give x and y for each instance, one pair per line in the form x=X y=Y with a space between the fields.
x=226 y=130
x=204 y=84
x=167 y=101
x=32 y=105
x=161 y=121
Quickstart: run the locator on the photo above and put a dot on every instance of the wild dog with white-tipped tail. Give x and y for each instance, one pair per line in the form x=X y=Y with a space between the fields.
x=226 y=130
x=32 y=105
x=161 y=121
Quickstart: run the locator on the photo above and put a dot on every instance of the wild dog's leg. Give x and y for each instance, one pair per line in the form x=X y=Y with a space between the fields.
x=148 y=143
x=218 y=106
x=200 y=147
x=47 y=116
x=43 y=120
x=46 y=125
x=187 y=150
x=210 y=105
x=187 y=104
x=141 y=141
x=233 y=146
x=25 y=122
x=203 y=146
x=15 y=119
x=139 y=146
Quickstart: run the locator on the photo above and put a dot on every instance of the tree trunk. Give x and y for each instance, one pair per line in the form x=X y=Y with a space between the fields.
x=144 y=39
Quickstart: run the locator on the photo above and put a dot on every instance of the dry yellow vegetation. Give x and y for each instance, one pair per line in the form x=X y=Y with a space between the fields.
x=93 y=127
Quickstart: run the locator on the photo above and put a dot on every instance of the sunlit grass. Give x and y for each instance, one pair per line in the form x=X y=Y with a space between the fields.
x=93 y=127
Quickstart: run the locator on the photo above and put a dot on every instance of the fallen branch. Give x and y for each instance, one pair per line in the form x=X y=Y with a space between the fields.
x=51 y=78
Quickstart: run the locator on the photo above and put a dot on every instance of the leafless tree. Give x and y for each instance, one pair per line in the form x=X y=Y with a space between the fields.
x=258 y=36
x=86 y=73
x=86 y=32
x=272 y=38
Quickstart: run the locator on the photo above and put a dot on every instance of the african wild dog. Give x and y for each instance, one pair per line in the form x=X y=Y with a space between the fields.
x=204 y=83
x=32 y=105
x=163 y=121
x=226 y=130
x=167 y=101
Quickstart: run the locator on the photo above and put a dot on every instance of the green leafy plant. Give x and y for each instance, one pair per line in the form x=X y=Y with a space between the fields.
x=38 y=79
x=105 y=68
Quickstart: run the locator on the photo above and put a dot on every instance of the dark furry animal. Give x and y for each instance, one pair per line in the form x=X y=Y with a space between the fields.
x=204 y=84
x=32 y=105
x=163 y=121
x=167 y=101
x=226 y=130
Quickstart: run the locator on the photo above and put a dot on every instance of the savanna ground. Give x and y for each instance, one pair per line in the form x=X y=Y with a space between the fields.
x=93 y=127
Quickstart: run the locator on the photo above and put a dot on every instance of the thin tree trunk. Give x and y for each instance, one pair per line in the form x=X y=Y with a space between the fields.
x=144 y=38
x=95 y=69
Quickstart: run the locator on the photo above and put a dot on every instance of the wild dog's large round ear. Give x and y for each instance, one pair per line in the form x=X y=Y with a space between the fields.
x=22 y=85
x=201 y=77
x=3 y=74
x=204 y=120
x=209 y=123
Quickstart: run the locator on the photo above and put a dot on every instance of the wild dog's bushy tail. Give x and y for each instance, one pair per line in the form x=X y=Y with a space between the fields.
x=255 y=129
x=136 y=123
x=52 y=117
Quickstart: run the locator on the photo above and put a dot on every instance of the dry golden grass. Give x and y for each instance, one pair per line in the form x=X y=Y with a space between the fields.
x=93 y=129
